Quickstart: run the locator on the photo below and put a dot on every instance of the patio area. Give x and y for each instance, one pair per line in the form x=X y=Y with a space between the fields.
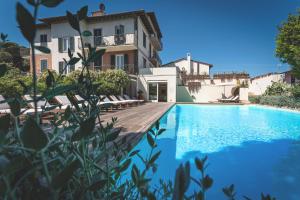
x=134 y=121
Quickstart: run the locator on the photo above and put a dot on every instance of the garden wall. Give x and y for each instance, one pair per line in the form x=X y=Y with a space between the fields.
x=206 y=94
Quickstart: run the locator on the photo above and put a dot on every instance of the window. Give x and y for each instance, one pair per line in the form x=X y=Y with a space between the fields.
x=98 y=62
x=144 y=63
x=97 y=37
x=120 y=61
x=65 y=43
x=43 y=40
x=144 y=39
x=153 y=91
x=119 y=35
x=222 y=80
x=44 y=65
x=119 y=30
x=65 y=70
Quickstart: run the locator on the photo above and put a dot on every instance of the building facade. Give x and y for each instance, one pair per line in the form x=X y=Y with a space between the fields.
x=132 y=41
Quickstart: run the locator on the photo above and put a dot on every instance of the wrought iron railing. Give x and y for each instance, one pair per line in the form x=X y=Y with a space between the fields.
x=111 y=40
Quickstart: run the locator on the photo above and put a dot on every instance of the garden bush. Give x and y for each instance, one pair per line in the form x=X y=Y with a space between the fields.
x=280 y=101
x=254 y=99
x=295 y=91
x=277 y=88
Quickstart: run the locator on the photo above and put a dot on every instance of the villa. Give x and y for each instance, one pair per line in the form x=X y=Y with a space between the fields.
x=132 y=41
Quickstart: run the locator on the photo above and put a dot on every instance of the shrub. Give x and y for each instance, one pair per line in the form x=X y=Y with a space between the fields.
x=295 y=91
x=280 y=101
x=277 y=88
x=10 y=82
x=254 y=99
x=112 y=81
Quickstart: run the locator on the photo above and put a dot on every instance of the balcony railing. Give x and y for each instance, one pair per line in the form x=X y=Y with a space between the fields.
x=156 y=41
x=129 y=69
x=111 y=40
x=155 y=58
x=231 y=75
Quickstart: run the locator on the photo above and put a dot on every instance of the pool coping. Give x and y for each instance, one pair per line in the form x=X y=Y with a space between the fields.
x=286 y=109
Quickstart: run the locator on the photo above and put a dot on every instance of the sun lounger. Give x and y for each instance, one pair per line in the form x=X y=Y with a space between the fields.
x=115 y=99
x=129 y=101
x=128 y=98
x=105 y=99
x=63 y=101
x=233 y=99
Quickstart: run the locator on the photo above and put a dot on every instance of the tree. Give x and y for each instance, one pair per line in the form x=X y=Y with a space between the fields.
x=288 y=43
x=10 y=53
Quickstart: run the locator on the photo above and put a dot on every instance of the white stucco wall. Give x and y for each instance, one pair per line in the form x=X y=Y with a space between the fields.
x=163 y=74
x=211 y=93
x=259 y=85
x=244 y=95
x=192 y=67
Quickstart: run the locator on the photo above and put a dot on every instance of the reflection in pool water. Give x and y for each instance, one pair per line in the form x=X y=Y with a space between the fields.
x=255 y=148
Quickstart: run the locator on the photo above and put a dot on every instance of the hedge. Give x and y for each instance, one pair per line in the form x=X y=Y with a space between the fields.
x=278 y=101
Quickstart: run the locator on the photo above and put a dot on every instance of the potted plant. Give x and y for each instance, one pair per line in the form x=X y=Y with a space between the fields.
x=140 y=95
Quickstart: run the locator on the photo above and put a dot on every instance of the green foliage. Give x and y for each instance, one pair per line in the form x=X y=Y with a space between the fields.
x=287 y=43
x=277 y=88
x=295 y=91
x=112 y=81
x=10 y=54
x=5 y=57
x=279 y=101
x=254 y=99
x=9 y=82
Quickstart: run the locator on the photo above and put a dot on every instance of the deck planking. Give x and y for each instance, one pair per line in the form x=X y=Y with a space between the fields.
x=134 y=121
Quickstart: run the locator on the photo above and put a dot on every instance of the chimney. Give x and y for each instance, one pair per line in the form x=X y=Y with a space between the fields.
x=189 y=64
x=99 y=12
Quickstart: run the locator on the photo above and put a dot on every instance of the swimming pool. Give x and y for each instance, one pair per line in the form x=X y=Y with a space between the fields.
x=256 y=148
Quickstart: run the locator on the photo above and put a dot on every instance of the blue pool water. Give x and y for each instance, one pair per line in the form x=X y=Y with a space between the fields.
x=254 y=147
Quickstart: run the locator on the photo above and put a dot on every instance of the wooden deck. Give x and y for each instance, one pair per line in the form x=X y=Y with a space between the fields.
x=135 y=121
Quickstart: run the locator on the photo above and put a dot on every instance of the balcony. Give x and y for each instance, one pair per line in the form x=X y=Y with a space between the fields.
x=129 y=69
x=156 y=42
x=111 y=40
x=155 y=59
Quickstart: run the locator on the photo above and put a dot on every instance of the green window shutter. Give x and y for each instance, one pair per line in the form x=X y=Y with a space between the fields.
x=72 y=68
x=72 y=46
x=126 y=59
x=60 y=45
x=61 y=67
x=113 y=61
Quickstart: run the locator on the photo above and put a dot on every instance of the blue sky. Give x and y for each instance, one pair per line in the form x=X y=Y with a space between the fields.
x=233 y=35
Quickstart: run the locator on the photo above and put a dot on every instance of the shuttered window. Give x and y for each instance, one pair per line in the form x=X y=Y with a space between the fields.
x=44 y=65
x=119 y=30
x=63 y=69
x=65 y=43
x=61 y=66
x=112 y=61
x=98 y=62
x=43 y=40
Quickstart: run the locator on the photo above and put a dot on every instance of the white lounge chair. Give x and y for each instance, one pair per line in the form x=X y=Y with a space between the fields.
x=233 y=99
x=42 y=105
x=128 y=98
x=129 y=101
x=105 y=99
x=115 y=99
x=4 y=107
x=63 y=101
